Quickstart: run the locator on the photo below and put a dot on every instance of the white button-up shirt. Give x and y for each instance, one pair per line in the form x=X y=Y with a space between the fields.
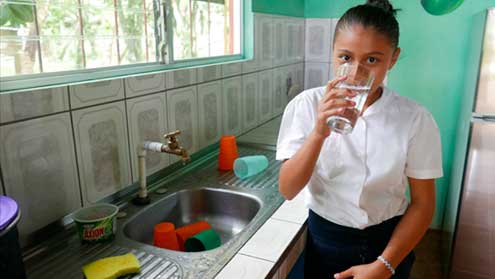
x=360 y=179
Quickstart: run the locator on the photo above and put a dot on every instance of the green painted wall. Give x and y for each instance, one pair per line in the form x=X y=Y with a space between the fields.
x=279 y=7
x=431 y=69
x=328 y=8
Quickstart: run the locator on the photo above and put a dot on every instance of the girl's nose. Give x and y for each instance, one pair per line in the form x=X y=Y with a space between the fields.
x=358 y=71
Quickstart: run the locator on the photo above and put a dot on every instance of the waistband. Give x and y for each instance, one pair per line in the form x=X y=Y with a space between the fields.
x=323 y=229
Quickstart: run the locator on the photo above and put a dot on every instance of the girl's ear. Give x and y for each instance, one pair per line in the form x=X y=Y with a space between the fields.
x=395 y=56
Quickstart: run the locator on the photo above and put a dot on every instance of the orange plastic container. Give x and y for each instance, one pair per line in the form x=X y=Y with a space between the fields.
x=228 y=153
x=164 y=236
x=185 y=232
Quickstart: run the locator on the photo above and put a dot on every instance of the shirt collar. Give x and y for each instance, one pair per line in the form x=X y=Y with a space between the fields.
x=379 y=104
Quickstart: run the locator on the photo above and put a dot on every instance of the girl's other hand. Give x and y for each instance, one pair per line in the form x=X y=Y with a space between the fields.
x=374 y=270
x=334 y=102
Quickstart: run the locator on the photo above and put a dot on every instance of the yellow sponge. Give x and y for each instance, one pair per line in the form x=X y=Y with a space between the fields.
x=112 y=267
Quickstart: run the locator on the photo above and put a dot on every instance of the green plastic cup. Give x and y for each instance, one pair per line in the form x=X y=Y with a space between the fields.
x=203 y=241
x=245 y=167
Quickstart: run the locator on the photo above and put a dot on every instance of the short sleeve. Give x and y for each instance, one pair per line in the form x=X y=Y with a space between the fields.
x=297 y=122
x=424 y=154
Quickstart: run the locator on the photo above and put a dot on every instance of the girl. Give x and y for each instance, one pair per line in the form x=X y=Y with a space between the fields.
x=360 y=223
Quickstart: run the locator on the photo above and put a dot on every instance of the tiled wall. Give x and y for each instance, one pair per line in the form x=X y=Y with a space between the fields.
x=318 y=51
x=68 y=147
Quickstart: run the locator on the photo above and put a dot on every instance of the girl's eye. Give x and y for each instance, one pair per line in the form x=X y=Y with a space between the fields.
x=345 y=57
x=372 y=60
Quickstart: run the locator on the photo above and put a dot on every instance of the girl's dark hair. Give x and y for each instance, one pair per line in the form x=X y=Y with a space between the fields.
x=377 y=14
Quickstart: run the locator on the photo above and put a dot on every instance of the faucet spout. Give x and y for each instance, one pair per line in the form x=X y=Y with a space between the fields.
x=172 y=147
x=180 y=151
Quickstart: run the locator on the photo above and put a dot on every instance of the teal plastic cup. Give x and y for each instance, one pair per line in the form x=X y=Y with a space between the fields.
x=245 y=167
x=203 y=241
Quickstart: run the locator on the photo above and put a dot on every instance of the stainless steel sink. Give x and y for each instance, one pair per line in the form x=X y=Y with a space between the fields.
x=228 y=212
x=235 y=208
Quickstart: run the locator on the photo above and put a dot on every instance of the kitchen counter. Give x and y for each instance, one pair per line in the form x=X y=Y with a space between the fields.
x=274 y=248
x=266 y=247
x=266 y=254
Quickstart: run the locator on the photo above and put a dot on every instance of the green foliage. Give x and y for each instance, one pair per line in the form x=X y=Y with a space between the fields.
x=16 y=15
x=132 y=24
x=62 y=45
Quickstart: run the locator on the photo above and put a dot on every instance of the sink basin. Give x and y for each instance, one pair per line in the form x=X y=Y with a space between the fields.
x=235 y=208
x=228 y=212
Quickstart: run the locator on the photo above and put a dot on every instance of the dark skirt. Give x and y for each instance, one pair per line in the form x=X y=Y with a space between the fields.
x=332 y=248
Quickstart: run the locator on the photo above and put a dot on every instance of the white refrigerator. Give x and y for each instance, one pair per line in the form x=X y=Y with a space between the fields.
x=473 y=239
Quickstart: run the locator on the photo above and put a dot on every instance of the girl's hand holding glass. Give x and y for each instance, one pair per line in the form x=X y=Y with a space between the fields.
x=360 y=81
x=334 y=103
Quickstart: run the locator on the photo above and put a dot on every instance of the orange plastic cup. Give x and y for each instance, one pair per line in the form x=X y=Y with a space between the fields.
x=164 y=236
x=185 y=232
x=228 y=153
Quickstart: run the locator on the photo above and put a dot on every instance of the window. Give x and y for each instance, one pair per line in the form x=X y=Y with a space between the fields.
x=67 y=36
x=204 y=28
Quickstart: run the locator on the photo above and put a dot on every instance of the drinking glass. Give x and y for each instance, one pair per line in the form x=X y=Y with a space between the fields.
x=359 y=80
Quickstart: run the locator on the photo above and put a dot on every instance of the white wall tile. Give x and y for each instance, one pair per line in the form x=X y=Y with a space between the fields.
x=318 y=40
x=96 y=93
x=141 y=85
x=287 y=73
x=279 y=40
x=278 y=234
x=245 y=267
x=231 y=69
x=316 y=74
x=280 y=90
x=39 y=169
x=301 y=28
x=210 y=113
x=209 y=73
x=181 y=78
x=295 y=39
x=250 y=66
x=183 y=115
x=333 y=22
x=147 y=118
x=265 y=93
x=22 y=105
x=249 y=101
x=265 y=41
x=300 y=75
x=232 y=106
x=294 y=88
x=102 y=150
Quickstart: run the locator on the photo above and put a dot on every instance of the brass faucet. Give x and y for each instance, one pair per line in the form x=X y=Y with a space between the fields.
x=172 y=147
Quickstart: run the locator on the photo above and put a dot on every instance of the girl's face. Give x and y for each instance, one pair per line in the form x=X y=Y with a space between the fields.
x=364 y=46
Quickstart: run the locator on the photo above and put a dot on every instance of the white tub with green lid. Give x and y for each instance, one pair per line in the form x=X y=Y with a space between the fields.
x=96 y=223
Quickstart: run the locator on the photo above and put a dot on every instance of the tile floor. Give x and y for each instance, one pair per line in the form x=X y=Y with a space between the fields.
x=429 y=257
